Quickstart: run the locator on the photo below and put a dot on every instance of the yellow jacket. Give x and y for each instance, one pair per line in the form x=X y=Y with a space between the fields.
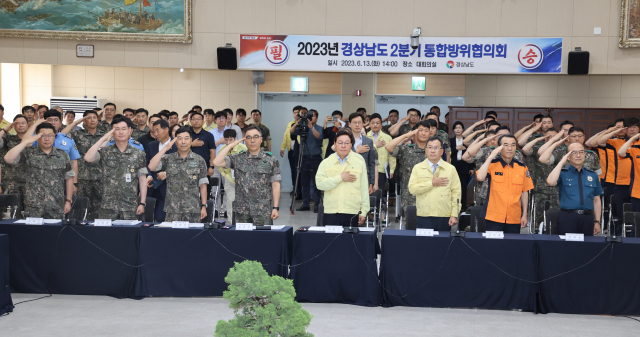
x=209 y=128
x=383 y=154
x=226 y=172
x=286 y=141
x=340 y=196
x=4 y=123
x=439 y=201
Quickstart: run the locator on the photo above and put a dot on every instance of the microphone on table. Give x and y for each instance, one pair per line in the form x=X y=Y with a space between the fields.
x=458 y=233
x=351 y=229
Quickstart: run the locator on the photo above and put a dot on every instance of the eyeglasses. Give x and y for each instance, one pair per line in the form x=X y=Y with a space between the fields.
x=256 y=137
x=343 y=143
x=578 y=152
x=48 y=136
x=433 y=148
x=52 y=120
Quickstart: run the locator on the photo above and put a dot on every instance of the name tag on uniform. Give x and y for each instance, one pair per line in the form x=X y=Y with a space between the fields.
x=574 y=237
x=244 y=226
x=498 y=173
x=333 y=229
x=180 y=224
x=34 y=221
x=494 y=235
x=425 y=232
x=127 y=177
x=102 y=222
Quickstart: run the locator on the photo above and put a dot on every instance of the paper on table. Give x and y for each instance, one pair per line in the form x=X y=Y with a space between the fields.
x=316 y=229
x=125 y=222
x=367 y=229
x=562 y=237
x=277 y=227
x=196 y=225
x=21 y=221
x=51 y=221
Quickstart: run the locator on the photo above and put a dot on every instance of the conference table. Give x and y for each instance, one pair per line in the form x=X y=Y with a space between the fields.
x=442 y=271
x=136 y=261
x=6 y=305
x=336 y=267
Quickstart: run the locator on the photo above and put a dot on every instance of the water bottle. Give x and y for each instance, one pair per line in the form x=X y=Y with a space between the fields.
x=7 y=214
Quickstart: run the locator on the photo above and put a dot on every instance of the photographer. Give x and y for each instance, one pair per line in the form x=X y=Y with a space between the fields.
x=330 y=133
x=306 y=126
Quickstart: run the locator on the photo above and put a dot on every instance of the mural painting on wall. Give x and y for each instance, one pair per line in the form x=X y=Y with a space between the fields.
x=630 y=24
x=121 y=20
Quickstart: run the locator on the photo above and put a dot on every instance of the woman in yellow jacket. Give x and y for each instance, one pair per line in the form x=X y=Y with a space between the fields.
x=343 y=178
x=436 y=185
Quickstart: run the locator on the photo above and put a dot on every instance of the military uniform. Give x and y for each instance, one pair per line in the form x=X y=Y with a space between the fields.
x=385 y=129
x=444 y=137
x=404 y=128
x=104 y=126
x=542 y=191
x=137 y=133
x=89 y=176
x=120 y=171
x=407 y=156
x=481 y=191
x=591 y=159
x=13 y=177
x=254 y=175
x=46 y=178
x=266 y=135
x=184 y=177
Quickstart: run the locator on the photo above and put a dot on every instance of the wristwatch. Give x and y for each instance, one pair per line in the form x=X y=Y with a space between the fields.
x=143 y=204
x=69 y=200
x=596 y=221
x=203 y=205
x=277 y=208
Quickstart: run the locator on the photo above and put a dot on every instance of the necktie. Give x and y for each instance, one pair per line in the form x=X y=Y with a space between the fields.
x=435 y=166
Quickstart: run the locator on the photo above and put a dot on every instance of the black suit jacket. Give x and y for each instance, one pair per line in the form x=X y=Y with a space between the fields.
x=152 y=150
x=460 y=165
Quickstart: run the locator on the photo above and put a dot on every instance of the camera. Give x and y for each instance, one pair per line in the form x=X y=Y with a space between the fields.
x=415 y=37
x=303 y=122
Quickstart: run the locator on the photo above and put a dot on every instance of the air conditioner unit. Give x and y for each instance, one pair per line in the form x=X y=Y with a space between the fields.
x=77 y=104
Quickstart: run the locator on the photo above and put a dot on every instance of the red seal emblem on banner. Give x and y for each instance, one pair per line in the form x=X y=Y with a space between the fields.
x=530 y=56
x=276 y=52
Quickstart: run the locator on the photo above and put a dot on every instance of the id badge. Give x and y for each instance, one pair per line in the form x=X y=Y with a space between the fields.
x=128 y=177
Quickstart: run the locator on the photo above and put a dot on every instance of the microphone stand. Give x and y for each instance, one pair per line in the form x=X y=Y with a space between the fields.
x=351 y=229
x=458 y=233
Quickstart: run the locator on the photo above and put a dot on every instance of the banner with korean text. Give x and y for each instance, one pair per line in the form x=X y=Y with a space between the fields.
x=487 y=55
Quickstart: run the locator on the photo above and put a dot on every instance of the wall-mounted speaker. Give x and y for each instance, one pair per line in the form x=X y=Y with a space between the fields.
x=227 y=58
x=578 y=62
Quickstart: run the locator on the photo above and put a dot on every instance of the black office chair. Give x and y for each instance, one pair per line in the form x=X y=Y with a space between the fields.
x=216 y=190
x=320 y=215
x=612 y=219
x=604 y=212
x=550 y=225
x=411 y=218
x=385 y=203
x=477 y=222
x=149 y=210
x=79 y=209
x=9 y=200
x=210 y=209
x=374 y=207
x=629 y=223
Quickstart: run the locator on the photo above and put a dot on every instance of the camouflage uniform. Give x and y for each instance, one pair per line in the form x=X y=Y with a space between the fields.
x=104 y=126
x=184 y=177
x=407 y=156
x=46 y=178
x=89 y=176
x=137 y=133
x=404 y=128
x=266 y=135
x=254 y=175
x=385 y=129
x=444 y=138
x=591 y=159
x=541 y=191
x=13 y=177
x=481 y=191
x=120 y=171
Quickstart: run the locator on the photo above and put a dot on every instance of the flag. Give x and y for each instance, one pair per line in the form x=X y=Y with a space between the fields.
x=146 y=3
x=158 y=6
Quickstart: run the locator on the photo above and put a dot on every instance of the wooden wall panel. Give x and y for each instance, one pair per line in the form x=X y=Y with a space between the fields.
x=435 y=85
x=524 y=117
x=319 y=83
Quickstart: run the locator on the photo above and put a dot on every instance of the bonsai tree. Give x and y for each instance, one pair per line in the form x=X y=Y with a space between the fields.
x=263 y=305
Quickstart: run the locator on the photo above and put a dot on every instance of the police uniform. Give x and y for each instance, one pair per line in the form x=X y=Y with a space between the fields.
x=13 y=177
x=137 y=133
x=577 y=190
x=184 y=177
x=407 y=156
x=254 y=176
x=507 y=182
x=121 y=171
x=89 y=177
x=480 y=195
x=46 y=178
